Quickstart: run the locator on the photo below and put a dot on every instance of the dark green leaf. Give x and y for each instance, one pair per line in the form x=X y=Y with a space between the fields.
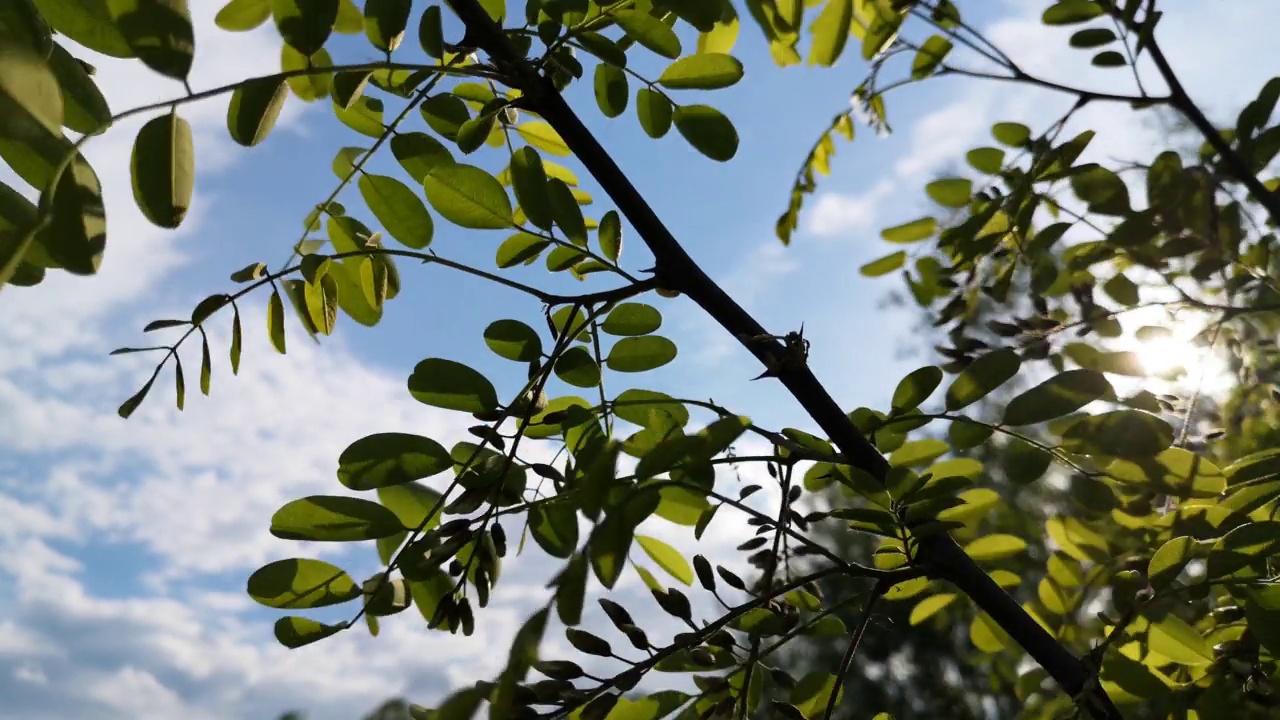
x=915 y=388
x=1060 y=395
x=707 y=130
x=513 y=340
x=163 y=169
x=294 y=632
x=1121 y=433
x=453 y=386
x=983 y=375
x=654 y=111
x=84 y=109
x=159 y=32
x=554 y=526
x=385 y=459
x=305 y=24
x=611 y=90
x=419 y=153
x=254 y=108
x=385 y=22
x=632 y=319
x=638 y=354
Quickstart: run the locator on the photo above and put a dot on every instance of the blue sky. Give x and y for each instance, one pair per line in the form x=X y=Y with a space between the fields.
x=124 y=545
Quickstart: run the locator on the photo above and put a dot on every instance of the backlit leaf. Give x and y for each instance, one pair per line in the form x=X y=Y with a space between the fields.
x=649 y=32
x=632 y=319
x=654 y=111
x=914 y=231
x=915 y=388
x=305 y=24
x=159 y=32
x=163 y=169
x=705 y=71
x=398 y=208
x=667 y=558
x=254 y=108
x=984 y=374
x=513 y=340
x=301 y=583
x=330 y=518
x=469 y=197
x=1060 y=395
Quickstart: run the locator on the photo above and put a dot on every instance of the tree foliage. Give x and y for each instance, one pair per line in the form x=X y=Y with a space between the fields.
x=1143 y=579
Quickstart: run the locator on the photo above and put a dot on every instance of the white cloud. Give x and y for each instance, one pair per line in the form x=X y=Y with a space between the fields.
x=835 y=214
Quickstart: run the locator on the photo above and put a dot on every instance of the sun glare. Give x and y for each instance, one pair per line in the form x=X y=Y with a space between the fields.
x=1175 y=359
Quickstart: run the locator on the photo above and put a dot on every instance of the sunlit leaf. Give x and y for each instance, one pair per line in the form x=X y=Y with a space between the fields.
x=301 y=583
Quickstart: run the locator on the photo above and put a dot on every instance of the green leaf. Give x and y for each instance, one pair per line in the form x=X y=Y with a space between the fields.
x=1102 y=189
x=611 y=90
x=914 y=231
x=419 y=153
x=301 y=583
x=576 y=367
x=813 y=692
x=681 y=505
x=1173 y=638
x=1121 y=433
x=544 y=137
x=654 y=111
x=1241 y=552
x=915 y=388
x=1172 y=557
x=385 y=22
x=632 y=319
x=983 y=375
x=330 y=518
x=1174 y=471
x=638 y=354
x=513 y=340
x=294 y=632
x=398 y=208
x=76 y=237
x=243 y=15
x=520 y=248
x=159 y=33
x=255 y=106
x=469 y=197
x=364 y=116
x=830 y=32
x=322 y=303
x=1060 y=395
x=84 y=109
x=707 y=130
x=649 y=32
x=950 y=192
x=1091 y=37
x=163 y=169
x=884 y=265
x=87 y=22
x=705 y=71
x=305 y=24
x=609 y=235
x=930 y=56
x=1011 y=133
x=529 y=181
x=667 y=558
x=430 y=32
x=1070 y=12
x=349 y=86
x=30 y=98
x=995 y=547
x=275 y=321
x=571 y=585
x=523 y=654
x=567 y=212
x=445 y=114
x=554 y=526
x=412 y=503
x=640 y=407
x=453 y=386
x=986 y=159
x=386 y=459
x=310 y=87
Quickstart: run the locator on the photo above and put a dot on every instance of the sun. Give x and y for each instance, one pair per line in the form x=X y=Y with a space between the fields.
x=1176 y=359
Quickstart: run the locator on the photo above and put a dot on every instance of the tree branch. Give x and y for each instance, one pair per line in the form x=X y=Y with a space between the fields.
x=676 y=270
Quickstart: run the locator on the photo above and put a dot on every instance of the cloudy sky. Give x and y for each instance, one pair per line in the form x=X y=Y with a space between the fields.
x=124 y=546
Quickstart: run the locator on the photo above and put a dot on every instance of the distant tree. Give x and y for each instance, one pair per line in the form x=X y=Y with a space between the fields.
x=1138 y=572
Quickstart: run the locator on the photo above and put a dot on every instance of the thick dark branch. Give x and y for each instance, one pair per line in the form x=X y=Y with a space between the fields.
x=676 y=270
x=1235 y=164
